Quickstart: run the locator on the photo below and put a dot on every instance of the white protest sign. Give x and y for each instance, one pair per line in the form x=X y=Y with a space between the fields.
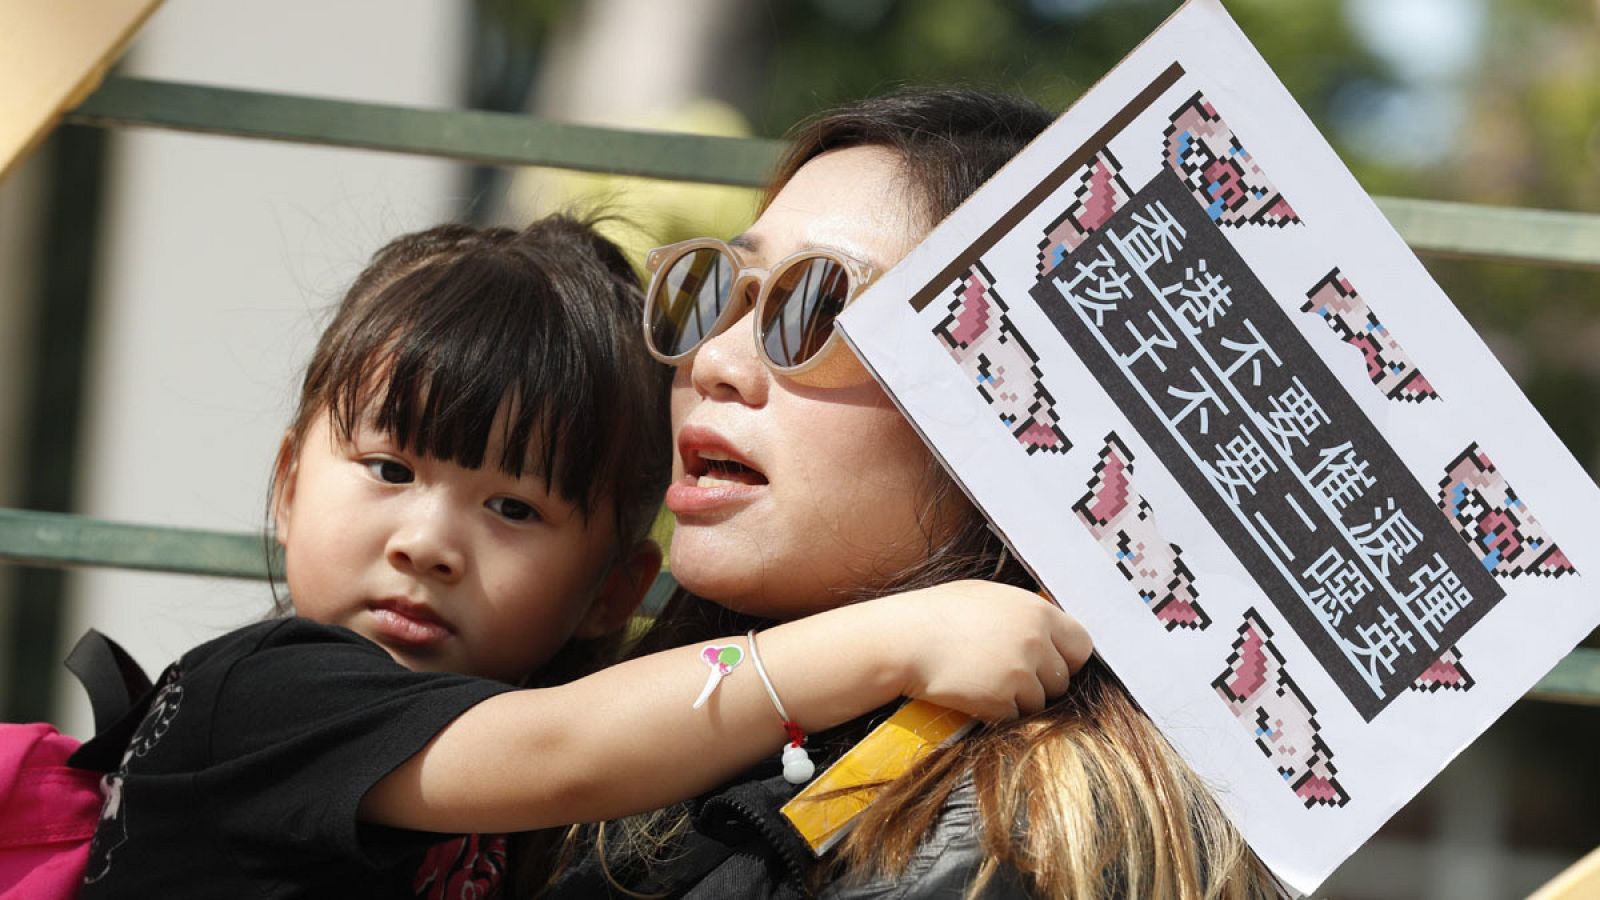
x=1183 y=363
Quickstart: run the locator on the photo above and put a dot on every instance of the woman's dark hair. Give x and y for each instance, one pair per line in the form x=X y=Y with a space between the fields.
x=1086 y=773
x=447 y=328
x=949 y=140
x=1111 y=809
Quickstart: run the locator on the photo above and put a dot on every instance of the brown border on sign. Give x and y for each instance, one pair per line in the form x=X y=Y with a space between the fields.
x=1048 y=185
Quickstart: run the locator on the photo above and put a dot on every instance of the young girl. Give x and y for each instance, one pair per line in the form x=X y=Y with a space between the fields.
x=465 y=490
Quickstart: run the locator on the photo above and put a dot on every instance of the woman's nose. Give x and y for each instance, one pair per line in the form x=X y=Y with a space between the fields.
x=727 y=366
x=428 y=543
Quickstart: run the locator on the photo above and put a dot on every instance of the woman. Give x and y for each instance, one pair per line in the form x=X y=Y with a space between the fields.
x=799 y=487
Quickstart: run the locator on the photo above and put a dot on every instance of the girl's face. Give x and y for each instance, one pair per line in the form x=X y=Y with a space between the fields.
x=829 y=502
x=449 y=569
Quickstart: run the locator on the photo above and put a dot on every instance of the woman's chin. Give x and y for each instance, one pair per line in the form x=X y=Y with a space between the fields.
x=729 y=574
x=708 y=564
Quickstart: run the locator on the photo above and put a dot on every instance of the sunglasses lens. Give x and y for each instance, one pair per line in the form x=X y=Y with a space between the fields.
x=804 y=300
x=688 y=298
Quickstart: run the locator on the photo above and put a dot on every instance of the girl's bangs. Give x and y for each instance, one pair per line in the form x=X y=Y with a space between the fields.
x=449 y=352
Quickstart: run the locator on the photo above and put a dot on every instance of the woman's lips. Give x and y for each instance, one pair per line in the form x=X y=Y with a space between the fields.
x=716 y=475
x=409 y=624
x=702 y=494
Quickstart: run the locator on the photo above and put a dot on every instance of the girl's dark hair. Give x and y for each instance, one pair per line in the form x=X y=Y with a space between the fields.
x=448 y=327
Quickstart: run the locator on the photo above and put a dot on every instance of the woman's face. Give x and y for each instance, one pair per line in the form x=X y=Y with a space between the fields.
x=829 y=499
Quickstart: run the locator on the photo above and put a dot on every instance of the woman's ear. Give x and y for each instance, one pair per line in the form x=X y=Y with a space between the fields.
x=284 y=469
x=622 y=591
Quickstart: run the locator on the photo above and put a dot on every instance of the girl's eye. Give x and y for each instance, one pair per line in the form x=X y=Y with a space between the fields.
x=389 y=472
x=513 y=509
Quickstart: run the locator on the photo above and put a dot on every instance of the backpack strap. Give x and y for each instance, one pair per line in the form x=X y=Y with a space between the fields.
x=111 y=677
x=118 y=690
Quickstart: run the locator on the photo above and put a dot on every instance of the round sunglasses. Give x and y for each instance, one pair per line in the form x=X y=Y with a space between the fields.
x=698 y=289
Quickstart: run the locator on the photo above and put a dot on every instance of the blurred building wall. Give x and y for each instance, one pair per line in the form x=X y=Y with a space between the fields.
x=219 y=257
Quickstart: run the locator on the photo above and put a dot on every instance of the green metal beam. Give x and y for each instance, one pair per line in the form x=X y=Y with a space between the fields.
x=54 y=540
x=57 y=540
x=1536 y=237
x=1576 y=679
x=478 y=137
x=1501 y=233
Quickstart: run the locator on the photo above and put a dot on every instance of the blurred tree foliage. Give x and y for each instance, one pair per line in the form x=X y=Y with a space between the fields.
x=829 y=51
x=1531 y=137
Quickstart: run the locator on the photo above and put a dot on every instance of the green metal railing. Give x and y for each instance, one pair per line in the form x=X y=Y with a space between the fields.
x=57 y=540
x=476 y=137
x=1536 y=237
x=1526 y=236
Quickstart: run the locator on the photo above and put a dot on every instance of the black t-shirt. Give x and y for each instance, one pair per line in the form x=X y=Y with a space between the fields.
x=249 y=760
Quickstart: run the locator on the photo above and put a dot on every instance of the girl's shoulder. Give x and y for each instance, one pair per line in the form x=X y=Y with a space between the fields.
x=285 y=632
x=283 y=651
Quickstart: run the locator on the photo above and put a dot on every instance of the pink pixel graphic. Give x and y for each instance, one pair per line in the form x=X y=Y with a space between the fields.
x=1495 y=522
x=1388 y=365
x=1257 y=687
x=1100 y=193
x=1125 y=526
x=1203 y=150
x=981 y=338
x=1445 y=673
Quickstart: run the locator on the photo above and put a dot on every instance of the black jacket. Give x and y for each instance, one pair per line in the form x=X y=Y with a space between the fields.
x=740 y=846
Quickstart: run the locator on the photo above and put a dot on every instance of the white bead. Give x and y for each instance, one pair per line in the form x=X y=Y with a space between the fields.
x=797 y=765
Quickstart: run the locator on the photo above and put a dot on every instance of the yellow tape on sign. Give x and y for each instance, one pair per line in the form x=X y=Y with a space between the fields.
x=822 y=813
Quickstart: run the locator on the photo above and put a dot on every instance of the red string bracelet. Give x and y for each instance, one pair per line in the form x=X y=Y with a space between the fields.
x=797 y=765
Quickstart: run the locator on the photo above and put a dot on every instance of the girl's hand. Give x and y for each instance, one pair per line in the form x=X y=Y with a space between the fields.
x=990 y=650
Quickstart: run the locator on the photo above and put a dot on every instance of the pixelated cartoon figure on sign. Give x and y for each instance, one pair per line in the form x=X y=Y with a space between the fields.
x=1099 y=194
x=1388 y=365
x=1257 y=687
x=1125 y=526
x=1495 y=522
x=981 y=338
x=1446 y=673
x=1204 y=152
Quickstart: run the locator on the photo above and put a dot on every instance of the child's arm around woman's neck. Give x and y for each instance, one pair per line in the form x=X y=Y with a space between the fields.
x=625 y=740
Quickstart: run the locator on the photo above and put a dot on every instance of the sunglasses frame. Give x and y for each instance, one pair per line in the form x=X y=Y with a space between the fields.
x=823 y=368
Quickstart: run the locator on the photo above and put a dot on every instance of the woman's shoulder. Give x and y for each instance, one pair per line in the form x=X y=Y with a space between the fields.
x=946 y=862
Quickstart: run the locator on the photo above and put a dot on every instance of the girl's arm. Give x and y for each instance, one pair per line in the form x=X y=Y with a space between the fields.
x=625 y=740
